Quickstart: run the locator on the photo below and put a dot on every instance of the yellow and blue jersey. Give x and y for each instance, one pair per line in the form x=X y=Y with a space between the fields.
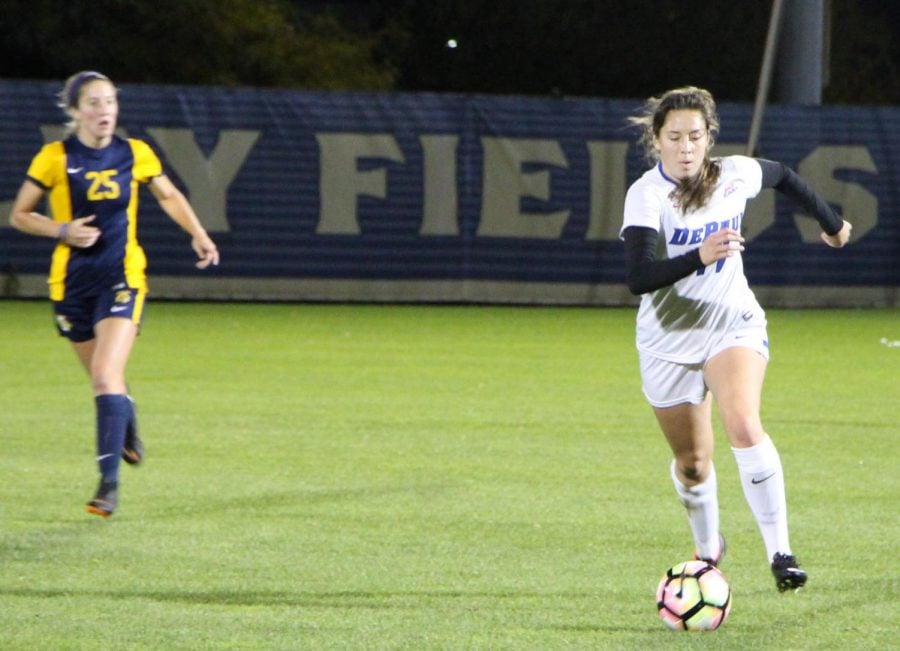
x=82 y=181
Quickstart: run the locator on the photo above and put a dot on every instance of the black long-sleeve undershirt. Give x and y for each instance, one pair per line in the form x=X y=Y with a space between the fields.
x=645 y=273
x=790 y=184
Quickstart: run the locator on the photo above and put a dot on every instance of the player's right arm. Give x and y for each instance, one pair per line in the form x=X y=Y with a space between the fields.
x=644 y=272
x=24 y=217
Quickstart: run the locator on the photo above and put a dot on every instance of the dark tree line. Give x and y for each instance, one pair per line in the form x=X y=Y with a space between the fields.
x=604 y=48
x=220 y=42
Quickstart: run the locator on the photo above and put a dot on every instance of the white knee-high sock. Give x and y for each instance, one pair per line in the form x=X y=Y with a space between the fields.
x=761 y=475
x=702 y=504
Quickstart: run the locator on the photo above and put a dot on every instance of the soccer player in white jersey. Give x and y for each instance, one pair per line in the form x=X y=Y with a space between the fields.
x=701 y=334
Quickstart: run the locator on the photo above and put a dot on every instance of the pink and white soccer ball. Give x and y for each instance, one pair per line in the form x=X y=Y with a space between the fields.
x=693 y=596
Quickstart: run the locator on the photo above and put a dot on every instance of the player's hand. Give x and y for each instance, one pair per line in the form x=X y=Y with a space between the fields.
x=840 y=238
x=81 y=234
x=720 y=245
x=206 y=250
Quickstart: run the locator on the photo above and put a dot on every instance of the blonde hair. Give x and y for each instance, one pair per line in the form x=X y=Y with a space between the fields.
x=692 y=193
x=70 y=94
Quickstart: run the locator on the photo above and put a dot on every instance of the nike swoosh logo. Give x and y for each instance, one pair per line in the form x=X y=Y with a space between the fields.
x=104 y=456
x=74 y=170
x=118 y=309
x=759 y=481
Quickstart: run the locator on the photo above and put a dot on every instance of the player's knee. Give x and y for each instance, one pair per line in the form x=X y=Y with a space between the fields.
x=694 y=468
x=100 y=386
x=104 y=384
x=743 y=429
x=692 y=472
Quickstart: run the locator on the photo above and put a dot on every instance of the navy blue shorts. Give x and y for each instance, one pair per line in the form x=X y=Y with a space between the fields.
x=77 y=316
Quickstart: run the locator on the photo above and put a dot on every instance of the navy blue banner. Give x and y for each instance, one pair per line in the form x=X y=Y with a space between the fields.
x=349 y=196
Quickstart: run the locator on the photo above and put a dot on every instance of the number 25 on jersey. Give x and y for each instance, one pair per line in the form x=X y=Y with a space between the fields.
x=102 y=185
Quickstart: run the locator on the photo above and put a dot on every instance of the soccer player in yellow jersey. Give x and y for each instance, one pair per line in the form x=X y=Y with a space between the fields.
x=97 y=272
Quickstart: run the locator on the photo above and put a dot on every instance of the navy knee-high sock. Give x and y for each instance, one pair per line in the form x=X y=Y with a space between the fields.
x=113 y=414
x=131 y=427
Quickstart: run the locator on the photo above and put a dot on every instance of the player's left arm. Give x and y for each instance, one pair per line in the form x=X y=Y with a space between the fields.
x=836 y=231
x=179 y=209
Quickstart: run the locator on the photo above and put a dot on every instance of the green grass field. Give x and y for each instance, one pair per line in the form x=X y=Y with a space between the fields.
x=427 y=477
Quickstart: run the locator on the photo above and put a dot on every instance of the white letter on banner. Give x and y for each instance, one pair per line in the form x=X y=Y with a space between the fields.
x=505 y=184
x=206 y=179
x=440 y=201
x=607 y=189
x=341 y=182
x=859 y=206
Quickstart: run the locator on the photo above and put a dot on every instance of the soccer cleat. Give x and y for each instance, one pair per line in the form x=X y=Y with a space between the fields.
x=714 y=561
x=133 y=449
x=105 y=500
x=787 y=572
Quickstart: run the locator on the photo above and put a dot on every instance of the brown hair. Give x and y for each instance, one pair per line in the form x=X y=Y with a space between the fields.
x=695 y=192
x=68 y=96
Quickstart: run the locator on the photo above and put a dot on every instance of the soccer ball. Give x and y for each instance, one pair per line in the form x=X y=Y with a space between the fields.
x=693 y=596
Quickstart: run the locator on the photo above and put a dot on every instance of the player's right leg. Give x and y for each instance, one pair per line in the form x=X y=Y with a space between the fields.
x=688 y=431
x=114 y=341
x=108 y=414
x=680 y=402
x=133 y=447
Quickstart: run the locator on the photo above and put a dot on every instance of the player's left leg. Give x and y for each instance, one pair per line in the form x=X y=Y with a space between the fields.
x=735 y=377
x=133 y=448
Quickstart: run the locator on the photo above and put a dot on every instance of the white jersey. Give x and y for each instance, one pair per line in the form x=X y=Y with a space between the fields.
x=681 y=322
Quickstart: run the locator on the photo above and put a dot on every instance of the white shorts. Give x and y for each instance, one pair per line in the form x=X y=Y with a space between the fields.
x=666 y=384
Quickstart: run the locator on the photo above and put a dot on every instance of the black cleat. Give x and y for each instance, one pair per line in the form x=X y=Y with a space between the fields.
x=718 y=559
x=787 y=572
x=133 y=450
x=105 y=500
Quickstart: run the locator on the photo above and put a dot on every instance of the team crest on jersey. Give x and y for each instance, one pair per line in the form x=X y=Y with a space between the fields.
x=123 y=297
x=63 y=323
